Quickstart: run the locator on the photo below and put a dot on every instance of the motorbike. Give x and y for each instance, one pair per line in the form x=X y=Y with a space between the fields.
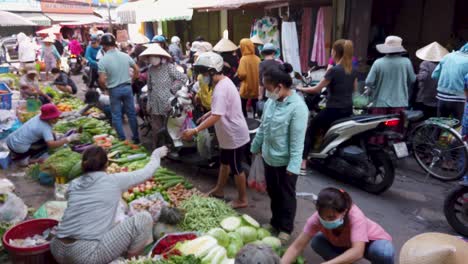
x=345 y=149
x=75 y=63
x=202 y=153
x=456 y=207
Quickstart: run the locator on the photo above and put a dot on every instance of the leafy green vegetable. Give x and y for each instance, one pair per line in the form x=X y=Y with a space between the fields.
x=220 y=235
x=233 y=248
x=202 y=214
x=231 y=223
x=250 y=221
x=90 y=126
x=61 y=162
x=248 y=234
x=189 y=259
x=262 y=233
x=273 y=242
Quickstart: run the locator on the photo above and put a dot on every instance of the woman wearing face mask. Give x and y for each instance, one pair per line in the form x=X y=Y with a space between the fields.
x=163 y=80
x=280 y=140
x=341 y=233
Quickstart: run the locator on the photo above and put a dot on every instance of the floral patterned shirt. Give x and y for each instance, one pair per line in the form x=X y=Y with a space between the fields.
x=163 y=81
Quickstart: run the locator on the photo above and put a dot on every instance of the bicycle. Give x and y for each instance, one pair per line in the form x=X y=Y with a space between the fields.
x=437 y=145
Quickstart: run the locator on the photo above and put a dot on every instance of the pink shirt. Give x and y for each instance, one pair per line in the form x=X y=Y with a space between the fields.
x=359 y=229
x=231 y=130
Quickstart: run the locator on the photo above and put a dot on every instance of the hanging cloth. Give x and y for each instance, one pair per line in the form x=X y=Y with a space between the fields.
x=306 y=36
x=318 y=50
x=267 y=30
x=290 y=45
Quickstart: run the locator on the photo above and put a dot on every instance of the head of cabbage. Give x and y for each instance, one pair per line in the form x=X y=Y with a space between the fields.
x=247 y=233
x=220 y=235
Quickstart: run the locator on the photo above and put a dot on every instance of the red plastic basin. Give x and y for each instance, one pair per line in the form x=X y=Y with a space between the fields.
x=38 y=254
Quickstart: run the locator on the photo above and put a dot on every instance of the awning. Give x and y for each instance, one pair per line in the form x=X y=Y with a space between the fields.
x=152 y=10
x=227 y=4
x=37 y=18
x=71 y=17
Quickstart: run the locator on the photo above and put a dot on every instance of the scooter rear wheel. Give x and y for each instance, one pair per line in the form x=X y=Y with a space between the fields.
x=385 y=173
x=456 y=209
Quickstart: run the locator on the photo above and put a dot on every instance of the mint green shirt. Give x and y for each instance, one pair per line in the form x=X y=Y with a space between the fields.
x=390 y=78
x=281 y=135
x=116 y=65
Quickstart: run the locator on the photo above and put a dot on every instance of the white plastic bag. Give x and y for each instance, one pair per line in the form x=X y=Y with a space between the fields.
x=13 y=210
x=204 y=144
x=256 y=178
x=152 y=204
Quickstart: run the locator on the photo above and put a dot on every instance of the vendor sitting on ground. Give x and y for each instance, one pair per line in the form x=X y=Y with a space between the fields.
x=88 y=232
x=341 y=233
x=36 y=135
x=29 y=87
x=95 y=99
x=63 y=82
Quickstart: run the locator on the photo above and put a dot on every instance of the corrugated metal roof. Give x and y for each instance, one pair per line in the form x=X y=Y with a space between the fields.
x=38 y=18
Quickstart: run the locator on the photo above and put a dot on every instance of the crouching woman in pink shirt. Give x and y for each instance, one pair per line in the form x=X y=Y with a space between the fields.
x=341 y=233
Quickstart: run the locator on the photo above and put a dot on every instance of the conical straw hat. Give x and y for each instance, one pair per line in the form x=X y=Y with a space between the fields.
x=155 y=50
x=256 y=40
x=434 y=248
x=224 y=45
x=49 y=40
x=432 y=52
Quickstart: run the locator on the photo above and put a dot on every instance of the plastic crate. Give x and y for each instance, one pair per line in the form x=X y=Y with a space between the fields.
x=4 y=69
x=5 y=99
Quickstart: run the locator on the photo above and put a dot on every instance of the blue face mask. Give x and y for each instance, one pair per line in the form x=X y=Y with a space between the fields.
x=206 y=79
x=331 y=224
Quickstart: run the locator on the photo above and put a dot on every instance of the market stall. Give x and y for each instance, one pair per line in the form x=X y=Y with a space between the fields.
x=188 y=226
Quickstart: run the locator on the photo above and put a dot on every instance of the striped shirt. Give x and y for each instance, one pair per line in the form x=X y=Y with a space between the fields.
x=450 y=97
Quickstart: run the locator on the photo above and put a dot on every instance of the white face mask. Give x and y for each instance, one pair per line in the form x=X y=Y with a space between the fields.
x=272 y=95
x=163 y=60
x=155 y=61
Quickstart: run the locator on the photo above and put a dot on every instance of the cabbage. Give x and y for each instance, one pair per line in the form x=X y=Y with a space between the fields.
x=262 y=233
x=250 y=221
x=211 y=254
x=247 y=233
x=232 y=249
x=219 y=256
x=234 y=236
x=220 y=235
x=231 y=223
x=273 y=242
x=198 y=247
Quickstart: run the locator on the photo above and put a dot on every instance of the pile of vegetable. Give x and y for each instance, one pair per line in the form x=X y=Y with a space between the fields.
x=63 y=107
x=3 y=228
x=56 y=95
x=103 y=140
x=190 y=259
x=180 y=193
x=89 y=128
x=206 y=248
x=73 y=102
x=64 y=162
x=204 y=213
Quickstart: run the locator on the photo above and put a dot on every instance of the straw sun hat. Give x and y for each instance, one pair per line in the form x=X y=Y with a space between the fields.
x=155 y=50
x=434 y=248
x=256 y=40
x=432 y=52
x=224 y=45
x=48 y=40
x=393 y=44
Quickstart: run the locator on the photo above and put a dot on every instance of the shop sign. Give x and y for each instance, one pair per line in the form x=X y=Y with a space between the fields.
x=20 y=5
x=67 y=7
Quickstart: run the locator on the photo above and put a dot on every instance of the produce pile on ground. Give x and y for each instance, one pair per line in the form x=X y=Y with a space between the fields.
x=87 y=127
x=73 y=102
x=64 y=162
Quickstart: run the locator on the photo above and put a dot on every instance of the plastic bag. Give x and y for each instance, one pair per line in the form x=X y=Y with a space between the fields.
x=51 y=209
x=204 y=144
x=188 y=123
x=360 y=100
x=13 y=209
x=152 y=204
x=122 y=209
x=256 y=178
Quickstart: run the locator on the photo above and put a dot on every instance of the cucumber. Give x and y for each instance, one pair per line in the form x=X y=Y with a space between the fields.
x=188 y=185
x=170 y=184
x=168 y=178
x=164 y=173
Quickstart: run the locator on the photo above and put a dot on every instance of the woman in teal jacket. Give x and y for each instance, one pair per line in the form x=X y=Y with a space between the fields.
x=280 y=140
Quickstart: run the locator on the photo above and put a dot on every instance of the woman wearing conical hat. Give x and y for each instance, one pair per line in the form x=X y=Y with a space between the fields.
x=426 y=99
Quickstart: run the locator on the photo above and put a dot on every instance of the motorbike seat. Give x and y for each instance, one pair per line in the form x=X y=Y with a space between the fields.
x=358 y=118
x=413 y=115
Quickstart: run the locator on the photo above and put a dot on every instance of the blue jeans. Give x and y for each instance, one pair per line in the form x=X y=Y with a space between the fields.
x=121 y=99
x=377 y=252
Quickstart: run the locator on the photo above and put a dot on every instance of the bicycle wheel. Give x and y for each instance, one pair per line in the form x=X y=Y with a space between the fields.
x=440 y=151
